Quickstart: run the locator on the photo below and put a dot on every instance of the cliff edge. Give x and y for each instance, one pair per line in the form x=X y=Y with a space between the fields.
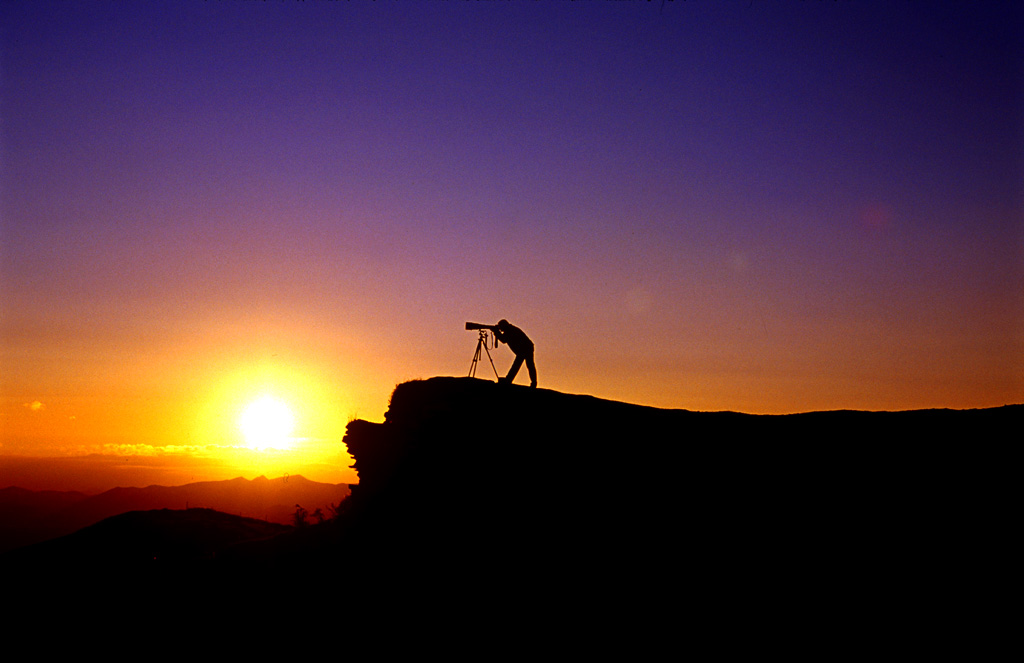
x=467 y=477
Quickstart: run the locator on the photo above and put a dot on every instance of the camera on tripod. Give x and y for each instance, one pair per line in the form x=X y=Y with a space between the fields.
x=483 y=343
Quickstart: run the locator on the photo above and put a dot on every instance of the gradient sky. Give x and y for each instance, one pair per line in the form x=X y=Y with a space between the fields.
x=760 y=206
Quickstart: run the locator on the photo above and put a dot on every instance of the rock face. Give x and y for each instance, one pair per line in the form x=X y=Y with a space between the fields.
x=466 y=477
x=469 y=469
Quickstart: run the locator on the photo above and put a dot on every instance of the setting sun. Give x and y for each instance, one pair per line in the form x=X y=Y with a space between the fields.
x=267 y=423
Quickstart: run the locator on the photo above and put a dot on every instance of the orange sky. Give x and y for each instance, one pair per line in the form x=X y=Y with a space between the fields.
x=767 y=208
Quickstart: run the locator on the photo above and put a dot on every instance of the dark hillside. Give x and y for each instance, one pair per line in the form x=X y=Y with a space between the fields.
x=28 y=517
x=268 y=499
x=162 y=535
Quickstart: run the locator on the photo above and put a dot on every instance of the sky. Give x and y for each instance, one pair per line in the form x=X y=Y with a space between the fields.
x=758 y=206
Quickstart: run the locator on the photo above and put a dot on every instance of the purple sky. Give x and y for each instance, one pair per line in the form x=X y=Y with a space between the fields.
x=758 y=206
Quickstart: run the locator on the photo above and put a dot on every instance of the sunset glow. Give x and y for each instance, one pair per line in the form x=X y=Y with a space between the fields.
x=229 y=228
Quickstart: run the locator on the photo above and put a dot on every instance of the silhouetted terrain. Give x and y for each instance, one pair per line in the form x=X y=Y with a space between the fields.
x=472 y=482
x=161 y=535
x=28 y=516
x=469 y=483
x=25 y=514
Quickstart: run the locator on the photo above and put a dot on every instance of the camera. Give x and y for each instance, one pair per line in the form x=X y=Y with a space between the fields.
x=473 y=326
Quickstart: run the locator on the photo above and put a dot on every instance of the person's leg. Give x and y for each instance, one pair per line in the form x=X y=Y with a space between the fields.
x=532 y=368
x=515 y=369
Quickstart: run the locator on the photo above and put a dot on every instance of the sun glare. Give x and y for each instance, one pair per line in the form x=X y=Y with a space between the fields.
x=267 y=423
x=274 y=420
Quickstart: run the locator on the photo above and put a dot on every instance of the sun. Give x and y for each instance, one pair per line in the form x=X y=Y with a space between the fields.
x=267 y=423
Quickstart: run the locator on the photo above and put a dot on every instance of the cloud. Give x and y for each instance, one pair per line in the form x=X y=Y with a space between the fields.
x=150 y=450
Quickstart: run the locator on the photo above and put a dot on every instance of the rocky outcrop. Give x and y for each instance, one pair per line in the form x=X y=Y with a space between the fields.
x=466 y=476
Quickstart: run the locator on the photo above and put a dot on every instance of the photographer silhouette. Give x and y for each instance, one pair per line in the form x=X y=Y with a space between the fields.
x=517 y=341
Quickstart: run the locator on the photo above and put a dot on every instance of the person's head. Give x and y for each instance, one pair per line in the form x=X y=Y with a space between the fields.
x=503 y=324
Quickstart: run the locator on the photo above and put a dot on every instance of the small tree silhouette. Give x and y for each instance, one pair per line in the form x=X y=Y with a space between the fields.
x=299 y=517
x=319 y=515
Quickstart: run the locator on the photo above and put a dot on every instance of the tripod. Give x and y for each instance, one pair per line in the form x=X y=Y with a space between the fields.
x=483 y=342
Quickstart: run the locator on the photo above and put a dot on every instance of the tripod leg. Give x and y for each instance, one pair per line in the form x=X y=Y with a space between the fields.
x=492 y=363
x=476 y=359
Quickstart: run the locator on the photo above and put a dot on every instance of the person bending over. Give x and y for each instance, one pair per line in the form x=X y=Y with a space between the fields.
x=517 y=341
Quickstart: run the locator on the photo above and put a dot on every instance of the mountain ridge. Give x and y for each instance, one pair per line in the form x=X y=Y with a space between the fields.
x=156 y=535
x=25 y=520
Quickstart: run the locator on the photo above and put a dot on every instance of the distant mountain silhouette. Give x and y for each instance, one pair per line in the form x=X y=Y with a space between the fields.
x=25 y=514
x=162 y=535
x=29 y=516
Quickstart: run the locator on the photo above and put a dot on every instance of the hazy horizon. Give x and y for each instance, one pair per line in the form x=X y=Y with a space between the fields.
x=230 y=228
